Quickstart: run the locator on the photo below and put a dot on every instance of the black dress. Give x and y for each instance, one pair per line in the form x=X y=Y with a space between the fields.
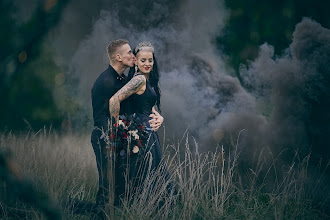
x=143 y=165
x=142 y=106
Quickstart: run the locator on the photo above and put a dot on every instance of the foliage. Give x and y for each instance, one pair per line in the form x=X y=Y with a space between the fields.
x=129 y=135
x=24 y=91
x=253 y=23
x=30 y=77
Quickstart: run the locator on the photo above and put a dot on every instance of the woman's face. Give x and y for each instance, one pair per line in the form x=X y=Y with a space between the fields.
x=144 y=61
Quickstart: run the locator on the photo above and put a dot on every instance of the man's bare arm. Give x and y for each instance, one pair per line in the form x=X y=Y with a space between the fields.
x=133 y=86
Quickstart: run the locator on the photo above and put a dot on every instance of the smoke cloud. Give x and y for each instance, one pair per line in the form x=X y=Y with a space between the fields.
x=182 y=36
x=285 y=105
x=296 y=88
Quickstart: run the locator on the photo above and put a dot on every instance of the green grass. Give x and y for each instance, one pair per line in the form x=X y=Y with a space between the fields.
x=209 y=186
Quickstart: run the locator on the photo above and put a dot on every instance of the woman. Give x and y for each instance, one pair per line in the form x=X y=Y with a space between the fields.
x=144 y=94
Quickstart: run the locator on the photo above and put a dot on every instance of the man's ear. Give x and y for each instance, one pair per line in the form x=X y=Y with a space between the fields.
x=118 y=57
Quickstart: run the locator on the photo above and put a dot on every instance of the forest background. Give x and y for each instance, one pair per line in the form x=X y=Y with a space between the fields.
x=33 y=84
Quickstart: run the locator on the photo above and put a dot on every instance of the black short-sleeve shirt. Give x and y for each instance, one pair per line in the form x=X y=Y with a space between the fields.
x=105 y=86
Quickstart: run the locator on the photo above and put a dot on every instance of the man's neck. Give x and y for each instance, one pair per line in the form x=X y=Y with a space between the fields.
x=118 y=67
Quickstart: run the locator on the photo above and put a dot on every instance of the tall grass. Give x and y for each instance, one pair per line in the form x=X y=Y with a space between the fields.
x=208 y=185
x=62 y=165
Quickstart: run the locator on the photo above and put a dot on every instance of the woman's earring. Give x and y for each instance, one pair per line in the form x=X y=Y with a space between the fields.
x=136 y=69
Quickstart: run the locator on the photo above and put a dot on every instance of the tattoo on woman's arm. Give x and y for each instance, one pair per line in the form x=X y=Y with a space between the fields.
x=130 y=88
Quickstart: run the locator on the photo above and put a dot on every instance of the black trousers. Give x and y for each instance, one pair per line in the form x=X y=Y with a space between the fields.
x=125 y=170
x=102 y=196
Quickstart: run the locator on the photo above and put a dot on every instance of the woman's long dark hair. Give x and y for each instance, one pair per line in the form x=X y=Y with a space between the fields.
x=153 y=78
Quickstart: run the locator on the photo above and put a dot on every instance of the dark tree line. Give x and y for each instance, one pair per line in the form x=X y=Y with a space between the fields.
x=255 y=22
x=25 y=91
x=28 y=71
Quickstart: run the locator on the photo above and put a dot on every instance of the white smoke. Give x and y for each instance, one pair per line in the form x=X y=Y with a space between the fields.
x=197 y=92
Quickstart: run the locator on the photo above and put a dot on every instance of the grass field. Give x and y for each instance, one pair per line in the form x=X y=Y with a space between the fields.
x=210 y=187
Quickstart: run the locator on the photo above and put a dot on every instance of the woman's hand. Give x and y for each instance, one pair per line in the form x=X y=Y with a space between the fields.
x=156 y=121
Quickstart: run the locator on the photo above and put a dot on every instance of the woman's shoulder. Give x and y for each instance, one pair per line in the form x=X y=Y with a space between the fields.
x=140 y=76
x=138 y=79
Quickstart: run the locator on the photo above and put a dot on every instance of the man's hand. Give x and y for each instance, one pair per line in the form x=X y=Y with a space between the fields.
x=156 y=121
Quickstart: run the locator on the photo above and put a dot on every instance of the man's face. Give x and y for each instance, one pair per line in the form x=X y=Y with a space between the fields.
x=127 y=57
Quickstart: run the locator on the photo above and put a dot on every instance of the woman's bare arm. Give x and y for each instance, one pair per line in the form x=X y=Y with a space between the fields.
x=133 y=86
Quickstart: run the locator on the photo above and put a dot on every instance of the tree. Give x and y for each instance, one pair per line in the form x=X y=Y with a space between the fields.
x=24 y=93
x=255 y=22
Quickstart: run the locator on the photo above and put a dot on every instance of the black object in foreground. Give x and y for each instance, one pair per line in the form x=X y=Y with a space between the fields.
x=19 y=187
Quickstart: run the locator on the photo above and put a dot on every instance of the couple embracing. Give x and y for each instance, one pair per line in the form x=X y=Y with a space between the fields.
x=114 y=94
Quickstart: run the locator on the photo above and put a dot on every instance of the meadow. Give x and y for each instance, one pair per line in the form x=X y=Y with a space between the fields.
x=209 y=185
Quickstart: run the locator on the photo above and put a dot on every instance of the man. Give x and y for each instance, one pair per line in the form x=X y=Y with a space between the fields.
x=105 y=86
